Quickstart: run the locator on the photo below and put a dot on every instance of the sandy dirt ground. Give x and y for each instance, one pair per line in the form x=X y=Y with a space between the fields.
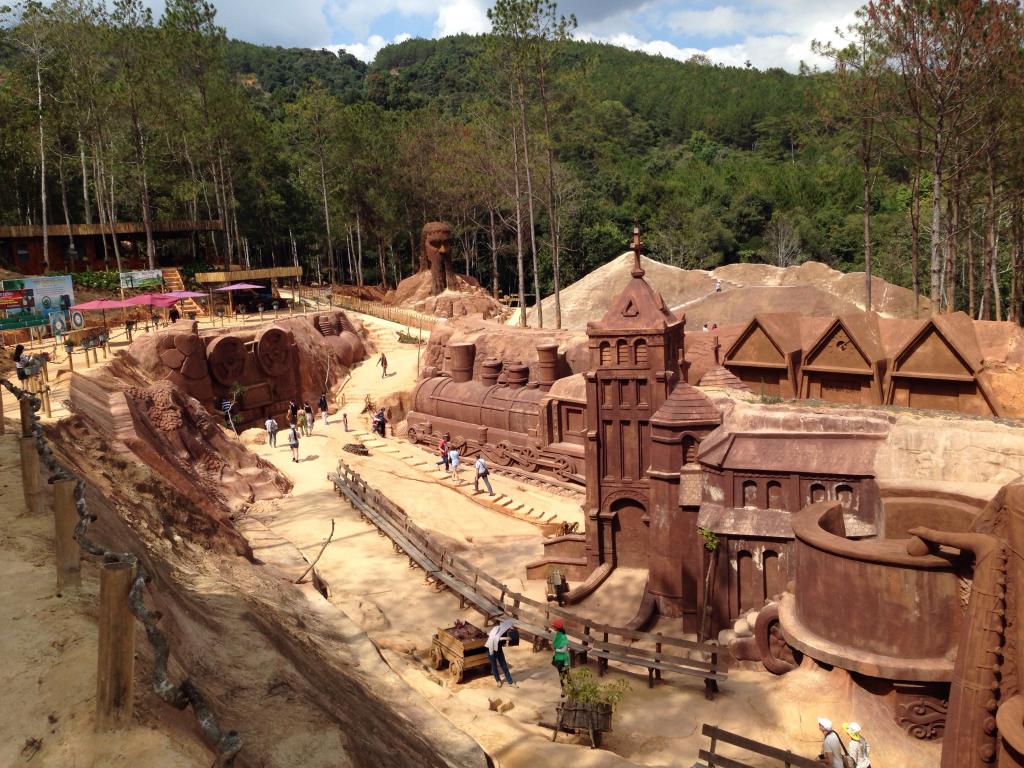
x=377 y=589
x=48 y=644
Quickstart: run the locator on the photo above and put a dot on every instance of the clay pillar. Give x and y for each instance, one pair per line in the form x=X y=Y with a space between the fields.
x=548 y=357
x=517 y=375
x=65 y=518
x=490 y=369
x=116 y=668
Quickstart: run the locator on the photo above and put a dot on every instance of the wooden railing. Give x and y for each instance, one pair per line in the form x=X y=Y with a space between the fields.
x=407 y=317
x=533 y=618
x=710 y=758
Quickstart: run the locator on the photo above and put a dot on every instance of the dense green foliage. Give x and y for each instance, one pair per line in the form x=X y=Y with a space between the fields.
x=718 y=164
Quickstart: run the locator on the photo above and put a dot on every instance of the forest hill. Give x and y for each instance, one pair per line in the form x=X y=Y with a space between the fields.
x=113 y=115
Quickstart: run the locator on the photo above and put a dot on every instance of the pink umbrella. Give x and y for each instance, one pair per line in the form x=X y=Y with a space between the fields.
x=151 y=300
x=186 y=294
x=102 y=305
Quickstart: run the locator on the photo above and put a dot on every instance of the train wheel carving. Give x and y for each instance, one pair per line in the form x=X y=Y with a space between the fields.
x=412 y=434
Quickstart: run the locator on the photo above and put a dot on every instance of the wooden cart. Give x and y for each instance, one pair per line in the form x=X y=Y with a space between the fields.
x=461 y=647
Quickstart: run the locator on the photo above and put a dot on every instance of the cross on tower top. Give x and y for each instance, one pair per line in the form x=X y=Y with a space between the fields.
x=637 y=247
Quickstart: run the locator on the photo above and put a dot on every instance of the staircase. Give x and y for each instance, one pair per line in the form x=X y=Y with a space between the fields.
x=384 y=339
x=173 y=282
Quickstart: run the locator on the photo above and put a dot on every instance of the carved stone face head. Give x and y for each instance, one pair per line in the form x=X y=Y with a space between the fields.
x=437 y=241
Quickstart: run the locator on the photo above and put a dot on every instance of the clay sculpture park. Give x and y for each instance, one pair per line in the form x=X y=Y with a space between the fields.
x=593 y=385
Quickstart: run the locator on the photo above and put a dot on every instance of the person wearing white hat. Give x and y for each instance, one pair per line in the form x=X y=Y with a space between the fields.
x=859 y=747
x=832 y=749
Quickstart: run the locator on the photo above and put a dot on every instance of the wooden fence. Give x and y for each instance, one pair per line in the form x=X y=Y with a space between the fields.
x=533 y=618
x=407 y=317
x=712 y=758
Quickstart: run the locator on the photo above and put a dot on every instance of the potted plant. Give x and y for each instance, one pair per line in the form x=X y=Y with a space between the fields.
x=589 y=704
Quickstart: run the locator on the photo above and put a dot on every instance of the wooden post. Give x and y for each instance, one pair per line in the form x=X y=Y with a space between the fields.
x=31 y=480
x=65 y=518
x=116 y=668
x=71 y=360
x=3 y=419
x=46 y=401
x=26 y=417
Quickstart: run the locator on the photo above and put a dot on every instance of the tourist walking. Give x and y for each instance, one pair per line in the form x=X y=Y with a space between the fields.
x=174 y=315
x=481 y=474
x=383 y=363
x=21 y=361
x=832 y=747
x=322 y=405
x=560 y=645
x=380 y=423
x=442 y=448
x=271 y=432
x=859 y=747
x=454 y=462
x=496 y=639
x=344 y=421
x=302 y=422
x=293 y=411
x=293 y=441
x=310 y=418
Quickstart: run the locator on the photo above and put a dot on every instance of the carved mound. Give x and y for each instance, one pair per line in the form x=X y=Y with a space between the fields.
x=465 y=298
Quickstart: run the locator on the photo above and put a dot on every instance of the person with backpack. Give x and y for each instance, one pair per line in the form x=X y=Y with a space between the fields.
x=271 y=425
x=499 y=636
x=293 y=440
x=833 y=752
x=859 y=747
x=481 y=474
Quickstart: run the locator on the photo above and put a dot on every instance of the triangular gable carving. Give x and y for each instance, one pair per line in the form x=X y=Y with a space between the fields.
x=755 y=346
x=930 y=352
x=630 y=309
x=838 y=348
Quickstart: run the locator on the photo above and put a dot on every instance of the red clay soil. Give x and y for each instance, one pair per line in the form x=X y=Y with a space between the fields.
x=465 y=297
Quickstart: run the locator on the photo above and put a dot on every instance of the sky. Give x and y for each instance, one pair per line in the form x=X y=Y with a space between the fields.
x=767 y=33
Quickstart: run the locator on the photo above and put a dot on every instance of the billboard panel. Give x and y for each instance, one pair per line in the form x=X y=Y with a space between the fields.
x=142 y=278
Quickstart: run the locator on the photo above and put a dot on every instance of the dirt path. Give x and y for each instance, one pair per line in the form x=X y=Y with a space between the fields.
x=48 y=644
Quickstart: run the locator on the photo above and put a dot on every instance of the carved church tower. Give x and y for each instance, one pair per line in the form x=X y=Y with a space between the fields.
x=634 y=354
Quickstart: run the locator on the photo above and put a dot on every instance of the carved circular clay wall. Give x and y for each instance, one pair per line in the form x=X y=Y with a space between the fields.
x=226 y=355
x=273 y=351
x=869 y=607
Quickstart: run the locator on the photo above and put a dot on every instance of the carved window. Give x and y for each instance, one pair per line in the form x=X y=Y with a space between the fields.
x=774 y=578
x=749 y=493
x=622 y=348
x=750 y=590
x=606 y=353
x=818 y=493
x=689 y=449
x=844 y=494
x=775 y=496
x=641 y=352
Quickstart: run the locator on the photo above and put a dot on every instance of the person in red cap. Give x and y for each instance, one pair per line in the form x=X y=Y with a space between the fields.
x=560 y=644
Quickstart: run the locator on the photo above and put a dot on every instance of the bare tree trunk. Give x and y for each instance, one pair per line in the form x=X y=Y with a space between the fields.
x=494 y=256
x=140 y=164
x=988 y=257
x=1015 y=276
x=867 y=135
x=552 y=208
x=42 y=158
x=915 y=236
x=935 y=256
x=519 y=223
x=327 y=212
x=359 y=250
x=85 y=181
x=67 y=213
x=970 y=259
x=100 y=210
x=529 y=208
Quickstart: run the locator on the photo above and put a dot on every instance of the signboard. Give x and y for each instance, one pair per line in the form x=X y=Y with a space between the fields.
x=46 y=294
x=77 y=319
x=58 y=325
x=22 y=321
x=16 y=299
x=142 y=278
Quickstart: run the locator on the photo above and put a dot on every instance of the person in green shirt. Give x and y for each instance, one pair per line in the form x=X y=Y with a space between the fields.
x=560 y=644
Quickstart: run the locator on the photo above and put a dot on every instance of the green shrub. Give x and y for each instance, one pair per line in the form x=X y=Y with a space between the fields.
x=582 y=686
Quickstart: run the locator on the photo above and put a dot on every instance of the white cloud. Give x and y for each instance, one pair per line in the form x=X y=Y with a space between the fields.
x=713 y=22
x=461 y=16
x=368 y=49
